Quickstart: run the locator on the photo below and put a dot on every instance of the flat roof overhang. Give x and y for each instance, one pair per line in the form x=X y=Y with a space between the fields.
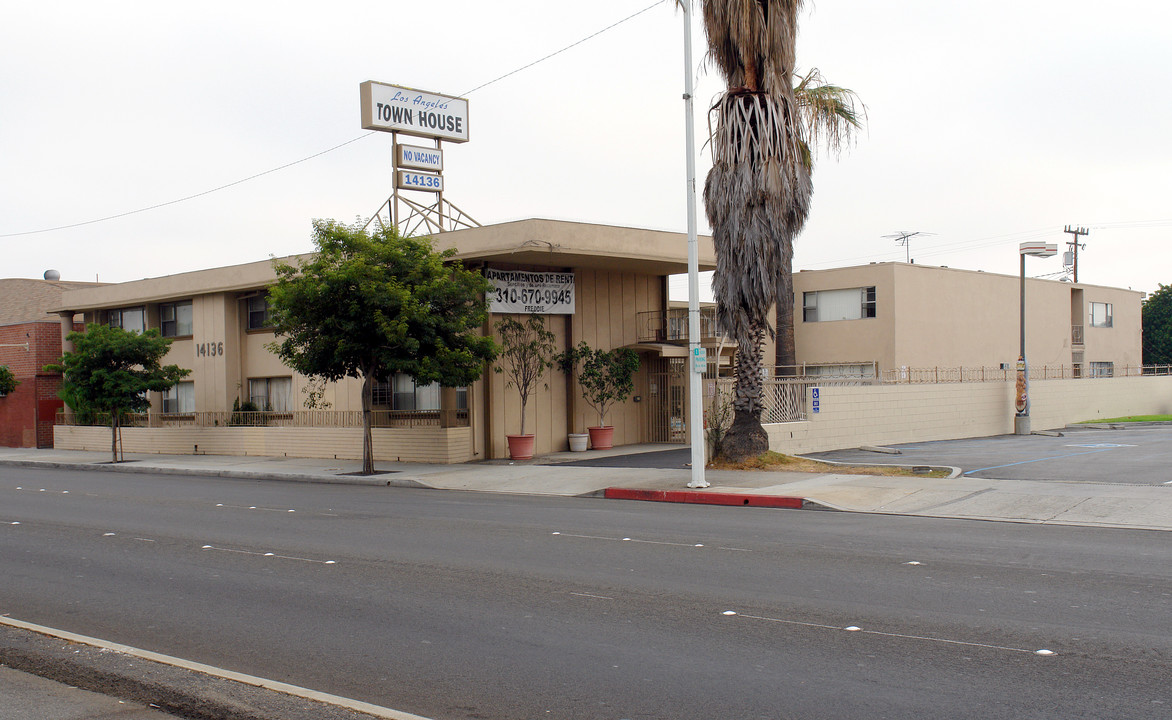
x=562 y=244
x=547 y=243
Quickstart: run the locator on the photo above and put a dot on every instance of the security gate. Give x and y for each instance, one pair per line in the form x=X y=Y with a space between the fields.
x=667 y=400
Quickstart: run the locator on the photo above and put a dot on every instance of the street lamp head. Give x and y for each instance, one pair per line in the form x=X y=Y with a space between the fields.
x=1038 y=249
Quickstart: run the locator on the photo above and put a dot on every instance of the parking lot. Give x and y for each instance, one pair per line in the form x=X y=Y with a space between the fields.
x=1137 y=456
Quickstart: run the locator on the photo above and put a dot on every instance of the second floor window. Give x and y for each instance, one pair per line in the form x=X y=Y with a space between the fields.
x=132 y=319
x=258 y=313
x=846 y=304
x=1101 y=315
x=175 y=319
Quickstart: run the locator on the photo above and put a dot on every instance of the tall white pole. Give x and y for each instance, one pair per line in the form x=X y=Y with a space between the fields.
x=695 y=387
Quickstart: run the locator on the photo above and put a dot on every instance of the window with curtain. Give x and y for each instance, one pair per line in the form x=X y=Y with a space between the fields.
x=845 y=304
x=132 y=319
x=275 y=394
x=1101 y=315
x=401 y=392
x=179 y=399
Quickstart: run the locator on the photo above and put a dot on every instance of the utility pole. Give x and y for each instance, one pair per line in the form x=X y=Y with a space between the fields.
x=1074 y=245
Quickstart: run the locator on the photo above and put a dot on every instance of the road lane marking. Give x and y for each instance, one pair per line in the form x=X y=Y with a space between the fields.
x=597 y=597
x=1027 y=462
x=646 y=542
x=274 y=685
x=268 y=554
x=253 y=507
x=855 y=628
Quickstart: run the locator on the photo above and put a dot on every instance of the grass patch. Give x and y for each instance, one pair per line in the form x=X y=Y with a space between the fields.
x=777 y=461
x=1131 y=418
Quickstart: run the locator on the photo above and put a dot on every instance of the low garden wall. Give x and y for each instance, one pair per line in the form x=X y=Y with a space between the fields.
x=417 y=444
x=854 y=415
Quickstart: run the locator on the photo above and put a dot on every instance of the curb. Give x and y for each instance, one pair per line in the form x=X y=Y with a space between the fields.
x=232 y=474
x=172 y=685
x=713 y=498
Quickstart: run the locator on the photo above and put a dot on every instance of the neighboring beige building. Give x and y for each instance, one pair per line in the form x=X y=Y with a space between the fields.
x=879 y=318
x=896 y=316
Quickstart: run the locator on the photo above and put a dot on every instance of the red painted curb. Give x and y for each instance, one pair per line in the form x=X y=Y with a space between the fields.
x=705 y=498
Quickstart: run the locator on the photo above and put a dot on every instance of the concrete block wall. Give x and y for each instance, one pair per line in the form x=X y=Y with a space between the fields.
x=851 y=416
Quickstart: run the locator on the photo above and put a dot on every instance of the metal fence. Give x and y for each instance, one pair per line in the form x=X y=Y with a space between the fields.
x=297 y=419
x=784 y=399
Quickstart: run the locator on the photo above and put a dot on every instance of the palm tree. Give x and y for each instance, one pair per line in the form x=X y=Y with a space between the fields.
x=830 y=116
x=757 y=195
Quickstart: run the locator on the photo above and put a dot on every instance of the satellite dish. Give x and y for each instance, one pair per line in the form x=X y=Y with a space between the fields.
x=52 y=275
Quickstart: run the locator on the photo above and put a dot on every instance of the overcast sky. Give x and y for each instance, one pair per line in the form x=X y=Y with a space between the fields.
x=988 y=124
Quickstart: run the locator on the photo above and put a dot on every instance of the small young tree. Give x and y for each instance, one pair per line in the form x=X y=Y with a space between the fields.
x=369 y=305
x=8 y=381
x=110 y=371
x=605 y=376
x=526 y=352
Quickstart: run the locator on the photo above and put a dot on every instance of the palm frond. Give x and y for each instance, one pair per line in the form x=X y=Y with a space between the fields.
x=831 y=115
x=752 y=41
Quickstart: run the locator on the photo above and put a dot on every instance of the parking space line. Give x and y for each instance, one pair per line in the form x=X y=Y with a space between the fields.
x=1027 y=462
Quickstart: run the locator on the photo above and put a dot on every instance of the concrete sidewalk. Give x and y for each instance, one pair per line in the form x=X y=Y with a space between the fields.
x=1064 y=503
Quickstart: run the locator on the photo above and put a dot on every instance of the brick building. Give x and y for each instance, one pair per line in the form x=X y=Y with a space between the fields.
x=30 y=338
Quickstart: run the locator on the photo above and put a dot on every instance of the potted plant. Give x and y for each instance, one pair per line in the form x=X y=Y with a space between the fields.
x=605 y=377
x=527 y=350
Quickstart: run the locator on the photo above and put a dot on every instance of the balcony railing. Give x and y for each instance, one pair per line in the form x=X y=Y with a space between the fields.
x=1076 y=335
x=296 y=418
x=672 y=326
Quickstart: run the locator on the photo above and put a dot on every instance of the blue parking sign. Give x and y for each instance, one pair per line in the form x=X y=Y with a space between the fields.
x=814 y=393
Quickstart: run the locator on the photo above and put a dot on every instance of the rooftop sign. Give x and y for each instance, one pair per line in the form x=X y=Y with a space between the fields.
x=391 y=108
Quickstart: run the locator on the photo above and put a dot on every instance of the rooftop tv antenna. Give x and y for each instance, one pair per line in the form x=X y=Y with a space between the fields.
x=903 y=237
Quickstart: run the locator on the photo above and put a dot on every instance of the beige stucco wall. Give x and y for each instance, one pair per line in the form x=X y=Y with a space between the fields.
x=851 y=416
x=425 y=444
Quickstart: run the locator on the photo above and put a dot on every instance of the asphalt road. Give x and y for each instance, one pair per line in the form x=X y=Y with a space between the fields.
x=461 y=605
x=1141 y=456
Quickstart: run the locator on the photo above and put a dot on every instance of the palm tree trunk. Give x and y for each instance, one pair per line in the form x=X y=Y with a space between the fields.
x=367 y=440
x=785 y=351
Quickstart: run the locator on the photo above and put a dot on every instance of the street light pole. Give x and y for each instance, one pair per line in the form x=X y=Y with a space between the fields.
x=1021 y=421
x=695 y=399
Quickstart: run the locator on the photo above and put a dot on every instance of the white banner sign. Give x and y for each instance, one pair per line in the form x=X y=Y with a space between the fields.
x=524 y=292
x=420 y=158
x=407 y=180
x=391 y=108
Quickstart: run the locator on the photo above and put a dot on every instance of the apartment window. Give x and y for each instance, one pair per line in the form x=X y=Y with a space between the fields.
x=258 y=312
x=846 y=304
x=274 y=393
x=179 y=399
x=132 y=319
x=401 y=392
x=1101 y=315
x=1102 y=369
x=175 y=319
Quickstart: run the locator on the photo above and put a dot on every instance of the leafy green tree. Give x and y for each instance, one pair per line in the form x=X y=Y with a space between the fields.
x=369 y=305
x=526 y=352
x=605 y=376
x=8 y=381
x=1157 y=327
x=110 y=371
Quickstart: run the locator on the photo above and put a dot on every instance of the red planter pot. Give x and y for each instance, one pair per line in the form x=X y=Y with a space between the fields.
x=520 y=446
x=601 y=438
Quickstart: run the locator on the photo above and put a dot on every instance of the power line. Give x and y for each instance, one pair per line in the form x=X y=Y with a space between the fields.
x=323 y=152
